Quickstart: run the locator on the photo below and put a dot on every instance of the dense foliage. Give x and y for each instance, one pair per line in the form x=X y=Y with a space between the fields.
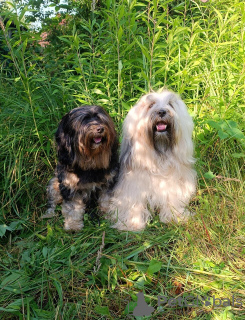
x=111 y=56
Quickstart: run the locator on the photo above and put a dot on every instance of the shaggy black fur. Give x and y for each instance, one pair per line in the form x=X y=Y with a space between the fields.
x=86 y=168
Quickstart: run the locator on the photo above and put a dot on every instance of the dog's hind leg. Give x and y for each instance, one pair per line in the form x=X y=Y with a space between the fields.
x=104 y=202
x=73 y=211
x=54 y=197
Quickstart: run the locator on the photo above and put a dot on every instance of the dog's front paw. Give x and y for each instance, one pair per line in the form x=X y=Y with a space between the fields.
x=179 y=216
x=50 y=213
x=129 y=225
x=73 y=225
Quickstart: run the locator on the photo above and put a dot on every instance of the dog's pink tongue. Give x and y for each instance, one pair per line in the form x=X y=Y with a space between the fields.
x=97 y=140
x=161 y=126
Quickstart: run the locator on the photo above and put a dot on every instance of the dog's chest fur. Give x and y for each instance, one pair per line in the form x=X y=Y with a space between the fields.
x=84 y=182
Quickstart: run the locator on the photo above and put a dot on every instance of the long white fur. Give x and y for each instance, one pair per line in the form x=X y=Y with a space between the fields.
x=150 y=180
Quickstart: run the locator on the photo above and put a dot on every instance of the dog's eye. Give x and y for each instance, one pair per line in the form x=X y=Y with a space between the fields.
x=171 y=105
x=151 y=105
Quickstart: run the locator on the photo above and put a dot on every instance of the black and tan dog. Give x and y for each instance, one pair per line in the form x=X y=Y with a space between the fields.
x=87 y=164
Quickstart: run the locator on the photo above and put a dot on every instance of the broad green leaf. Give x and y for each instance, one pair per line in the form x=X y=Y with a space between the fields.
x=11 y=278
x=236 y=133
x=103 y=310
x=130 y=307
x=154 y=266
x=232 y=123
x=18 y=304
x=223 y=135
x=238 y=155
x=213 y=124
x=209 y=175
x=3 y=229
x=139 y=284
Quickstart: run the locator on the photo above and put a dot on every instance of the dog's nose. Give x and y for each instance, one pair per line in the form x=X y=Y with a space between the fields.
x=100 y=129
x=162 y=112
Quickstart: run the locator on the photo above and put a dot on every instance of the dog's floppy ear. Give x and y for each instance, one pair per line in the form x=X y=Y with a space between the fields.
x=146 y=101
x=126 y=153
x=150 y=98
x=129 y=130
x=184 y=129
x=64 y=140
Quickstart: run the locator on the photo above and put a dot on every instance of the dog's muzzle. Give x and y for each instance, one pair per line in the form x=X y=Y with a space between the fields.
x=98 y=136
x=161 y=122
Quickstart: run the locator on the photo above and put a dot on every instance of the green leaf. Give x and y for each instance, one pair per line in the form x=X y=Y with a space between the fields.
x=11 y=278
x=59 y=290
x=213 y=124
x=144 y=49
x=45 y=252
x=156 y=37
x=17 y=304
x=103 y=310
x=154 y=266
x=223 y=135
x=139 y=284
x=8 y=24
x=238 y=155
x=232 y=123
x=76 y=41
x=108 y=3
x=188 y=236
x=130 y=307
x=236 y=133
x=14 y=311
x=3 y=229
x=145 y=246
x=65 y=40
x=98 y=91
x=40 y=236
x=161 y=19
x=209 y=175
x=120 y=32
x=49 y=232
x=16 y=225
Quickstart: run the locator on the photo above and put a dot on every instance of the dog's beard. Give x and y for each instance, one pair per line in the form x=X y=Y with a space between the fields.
x=162 y=133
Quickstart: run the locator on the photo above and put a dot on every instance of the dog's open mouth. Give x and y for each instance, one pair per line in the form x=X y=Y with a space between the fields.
x=97 y=140
x=161 y=127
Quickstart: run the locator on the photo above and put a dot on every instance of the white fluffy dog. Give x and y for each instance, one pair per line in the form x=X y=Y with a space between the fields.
x=156 y=163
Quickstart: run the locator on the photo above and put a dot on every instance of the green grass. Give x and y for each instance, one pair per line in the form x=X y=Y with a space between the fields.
x=122 y=51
